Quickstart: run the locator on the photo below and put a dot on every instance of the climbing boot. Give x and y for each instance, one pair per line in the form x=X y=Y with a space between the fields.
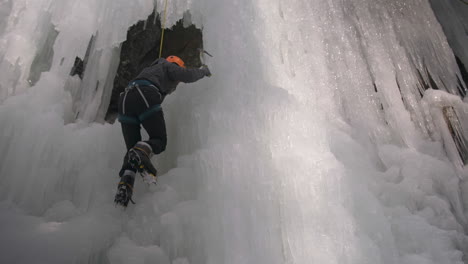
x=149 y=178
x=125 y=189
x=139 y=158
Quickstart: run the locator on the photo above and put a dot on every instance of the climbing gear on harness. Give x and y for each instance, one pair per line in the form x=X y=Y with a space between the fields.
x=176 y=60
x=123 y=118
x=139 y=158
x=125 y=189
x=136 y=85
x=142 y=83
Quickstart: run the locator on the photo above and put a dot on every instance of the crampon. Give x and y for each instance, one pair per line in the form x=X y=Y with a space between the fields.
x=124 y=194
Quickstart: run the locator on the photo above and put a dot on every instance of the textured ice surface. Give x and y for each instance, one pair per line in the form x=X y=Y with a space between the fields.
x=311 y=142
x=453 y=16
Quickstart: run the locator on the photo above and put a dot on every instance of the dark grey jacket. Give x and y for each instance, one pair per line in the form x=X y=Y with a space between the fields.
x=166 y=75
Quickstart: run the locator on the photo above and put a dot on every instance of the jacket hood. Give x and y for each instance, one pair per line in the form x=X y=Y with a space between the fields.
x=157 y=61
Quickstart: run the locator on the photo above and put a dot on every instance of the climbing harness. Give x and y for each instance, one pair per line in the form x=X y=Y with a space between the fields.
x=142 y=96
x=124 y=118
x=163 y=27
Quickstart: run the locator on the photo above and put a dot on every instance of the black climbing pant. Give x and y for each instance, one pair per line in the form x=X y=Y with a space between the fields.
x=156 y=128
x=140 y=106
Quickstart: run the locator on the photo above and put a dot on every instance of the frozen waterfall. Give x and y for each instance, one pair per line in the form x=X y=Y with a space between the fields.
x=330 y=132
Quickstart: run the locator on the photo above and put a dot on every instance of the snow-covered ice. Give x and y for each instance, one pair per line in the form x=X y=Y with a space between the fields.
x=313 y=141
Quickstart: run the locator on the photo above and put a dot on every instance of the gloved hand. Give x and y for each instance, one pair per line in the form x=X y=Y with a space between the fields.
x=205 y=69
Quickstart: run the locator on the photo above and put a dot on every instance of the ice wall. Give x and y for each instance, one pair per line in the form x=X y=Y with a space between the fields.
x=311 y=142
x=453 y=16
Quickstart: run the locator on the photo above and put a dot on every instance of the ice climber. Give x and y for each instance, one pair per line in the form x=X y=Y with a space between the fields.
x=140 y=104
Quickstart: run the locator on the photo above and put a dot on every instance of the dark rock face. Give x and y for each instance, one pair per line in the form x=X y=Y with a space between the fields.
x=78 y=68
x=456 y=130
x=456 y=38
x=142 y=47
x=464 y=75
x=454 y=118
x=79 y=65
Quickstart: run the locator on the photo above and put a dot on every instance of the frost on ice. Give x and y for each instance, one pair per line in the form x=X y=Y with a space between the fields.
x=320 y=138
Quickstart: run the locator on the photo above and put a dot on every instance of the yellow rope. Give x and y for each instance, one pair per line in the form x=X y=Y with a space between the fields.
x=163 y=27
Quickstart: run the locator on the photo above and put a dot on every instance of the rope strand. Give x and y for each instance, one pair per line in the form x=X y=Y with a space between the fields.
x=163 y=27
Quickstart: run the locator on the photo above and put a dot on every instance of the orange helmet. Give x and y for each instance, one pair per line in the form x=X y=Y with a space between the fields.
x=176 y=60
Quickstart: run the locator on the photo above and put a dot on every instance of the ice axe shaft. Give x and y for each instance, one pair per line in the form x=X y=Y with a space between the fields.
x=202 y=55
x=206 y=52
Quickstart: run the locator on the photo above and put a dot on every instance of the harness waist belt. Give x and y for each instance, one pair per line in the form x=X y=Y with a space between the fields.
x=142 y=83
x=151 y=109
x=140 y=118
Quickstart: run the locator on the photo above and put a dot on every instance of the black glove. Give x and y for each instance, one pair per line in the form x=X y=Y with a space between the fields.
x=205 y=69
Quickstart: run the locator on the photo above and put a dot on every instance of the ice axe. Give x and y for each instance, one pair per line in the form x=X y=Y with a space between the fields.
x=202 y=55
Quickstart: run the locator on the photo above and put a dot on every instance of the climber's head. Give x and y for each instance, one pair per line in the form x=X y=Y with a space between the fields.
x=176 y=60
